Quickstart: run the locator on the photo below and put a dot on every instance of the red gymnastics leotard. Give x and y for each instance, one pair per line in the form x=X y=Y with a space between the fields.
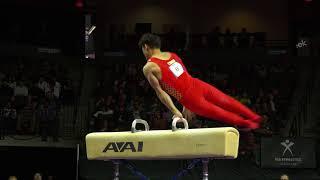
x=201 y=97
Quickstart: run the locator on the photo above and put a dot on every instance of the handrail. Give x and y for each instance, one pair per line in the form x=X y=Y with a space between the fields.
x=303 y=114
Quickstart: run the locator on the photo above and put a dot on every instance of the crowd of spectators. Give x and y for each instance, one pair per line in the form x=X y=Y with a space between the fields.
x=31 y=94
x=179 y=41
x=216 y=39
x=36 y=176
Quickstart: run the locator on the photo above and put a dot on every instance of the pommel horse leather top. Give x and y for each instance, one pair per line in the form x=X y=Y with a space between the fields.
x=163 y=144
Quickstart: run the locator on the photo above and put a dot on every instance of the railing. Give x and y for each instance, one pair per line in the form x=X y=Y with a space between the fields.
x=303 y=114
x=74 y=122
x=194 y=41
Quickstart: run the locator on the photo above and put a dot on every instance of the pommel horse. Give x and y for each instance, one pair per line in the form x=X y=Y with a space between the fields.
x=201 y=144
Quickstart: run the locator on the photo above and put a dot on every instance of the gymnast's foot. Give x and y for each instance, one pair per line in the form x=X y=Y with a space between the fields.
x=257 y=119
x=254 y=125
x=249 y=126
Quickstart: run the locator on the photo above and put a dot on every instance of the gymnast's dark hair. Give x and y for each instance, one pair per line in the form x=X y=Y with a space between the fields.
x=152 y=40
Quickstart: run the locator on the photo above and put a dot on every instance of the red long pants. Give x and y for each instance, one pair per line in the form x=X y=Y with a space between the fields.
x=207 y=101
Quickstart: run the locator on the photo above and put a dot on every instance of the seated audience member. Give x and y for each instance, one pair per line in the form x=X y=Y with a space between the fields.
x=37 y=176
x=9 y=119
x=56 y=86
x=36 y=93
x=20 y=89
x=284 y=177
x=43 y=85
x=12 y=178
x=103 y=118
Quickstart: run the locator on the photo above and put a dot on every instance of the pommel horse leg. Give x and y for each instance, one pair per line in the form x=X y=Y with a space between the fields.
x=205 y=170
x=116 y=172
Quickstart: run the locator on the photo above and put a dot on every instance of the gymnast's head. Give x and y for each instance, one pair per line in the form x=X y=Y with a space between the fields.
x=150 y=44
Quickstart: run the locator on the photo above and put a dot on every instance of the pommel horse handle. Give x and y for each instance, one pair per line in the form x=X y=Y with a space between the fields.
x=139 y=121
x=176 y=120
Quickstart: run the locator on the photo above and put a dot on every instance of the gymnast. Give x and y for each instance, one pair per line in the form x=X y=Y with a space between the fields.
x=168 y=76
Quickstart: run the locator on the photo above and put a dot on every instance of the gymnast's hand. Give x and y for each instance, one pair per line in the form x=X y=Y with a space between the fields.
x=177 y=115
x=187 y=114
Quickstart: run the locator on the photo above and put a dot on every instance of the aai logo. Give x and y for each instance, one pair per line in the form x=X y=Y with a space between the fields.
x=124 y=146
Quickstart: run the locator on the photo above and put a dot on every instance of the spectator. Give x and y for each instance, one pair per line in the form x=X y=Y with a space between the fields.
x=8 y=120
x=12 y=178
x=68 y=92
x=43 y=85
x=3 y=127
x=20 y=89
x=228 y=39
x=100 y=103
x=26 y=122
x=284 y=177
x=158 y=121
x=244 y=99
x=36 y=93
x=243 y=38
x=272 y=104
x=37 y=176
x=5 y=91
x=265 y=128
x=214 y=38
x=48 y=119
x=2 y=76
x=103 y=116
x=56 y=88
x=11 y=82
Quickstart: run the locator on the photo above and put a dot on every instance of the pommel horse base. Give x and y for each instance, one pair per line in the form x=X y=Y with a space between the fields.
x=200 y=144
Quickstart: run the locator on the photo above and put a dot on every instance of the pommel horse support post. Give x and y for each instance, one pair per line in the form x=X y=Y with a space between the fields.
x=201 y=143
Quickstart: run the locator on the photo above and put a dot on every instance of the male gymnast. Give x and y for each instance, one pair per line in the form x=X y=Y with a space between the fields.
x=168 y=76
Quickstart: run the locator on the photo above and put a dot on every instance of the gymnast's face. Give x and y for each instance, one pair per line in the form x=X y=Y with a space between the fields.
x=147 y=51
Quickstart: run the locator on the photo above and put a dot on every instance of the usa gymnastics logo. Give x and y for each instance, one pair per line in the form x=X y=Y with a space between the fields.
x=301 y=44
x=288 y=158
x=287 y=147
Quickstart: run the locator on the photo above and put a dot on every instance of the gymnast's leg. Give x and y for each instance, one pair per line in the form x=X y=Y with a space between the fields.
x=197 y=102
x=226 y=102
x=204 y=108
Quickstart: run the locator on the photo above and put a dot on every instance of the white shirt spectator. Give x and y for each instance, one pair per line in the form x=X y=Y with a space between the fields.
x=10 y=113
x=44 y=86
x=272 y=106
x=57 y=89
x=12 y=84
x=21 y=91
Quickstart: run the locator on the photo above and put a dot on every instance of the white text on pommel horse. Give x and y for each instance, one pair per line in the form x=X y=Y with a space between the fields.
x=122 y=146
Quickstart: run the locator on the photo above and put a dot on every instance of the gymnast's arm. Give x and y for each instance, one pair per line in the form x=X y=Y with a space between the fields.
x=148 y=71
